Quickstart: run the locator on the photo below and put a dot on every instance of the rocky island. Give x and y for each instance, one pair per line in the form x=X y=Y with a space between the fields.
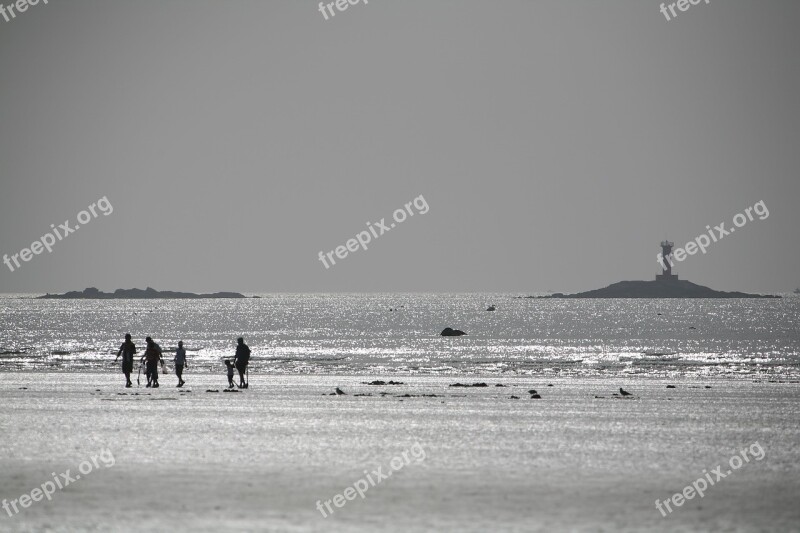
x=666 y=285
x=92 y=293
x=657 y=289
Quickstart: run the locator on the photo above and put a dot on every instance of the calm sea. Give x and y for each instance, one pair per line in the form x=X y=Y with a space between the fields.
x=399 y=334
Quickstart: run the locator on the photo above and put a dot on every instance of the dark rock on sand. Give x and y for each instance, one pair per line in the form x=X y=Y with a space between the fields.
x=535 y=396
x=212 y=390
x=379 y=382
x=616 y=396
x=492 y=308
x=450 y=332
x=532 y=391
x=514 y=397
x=468 y=385
x=499 y=385
x=670 y=386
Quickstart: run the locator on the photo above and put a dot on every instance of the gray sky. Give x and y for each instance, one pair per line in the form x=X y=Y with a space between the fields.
x=555 y=142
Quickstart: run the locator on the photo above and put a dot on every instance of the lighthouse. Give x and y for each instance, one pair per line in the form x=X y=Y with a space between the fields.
x=666 y=262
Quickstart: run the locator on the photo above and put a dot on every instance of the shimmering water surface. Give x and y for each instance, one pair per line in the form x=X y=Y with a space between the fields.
x=360 y=334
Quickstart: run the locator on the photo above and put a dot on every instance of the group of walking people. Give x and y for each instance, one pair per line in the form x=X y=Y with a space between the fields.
x=153 y=356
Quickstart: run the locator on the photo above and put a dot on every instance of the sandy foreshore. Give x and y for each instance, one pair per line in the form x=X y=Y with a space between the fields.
x=476 y=460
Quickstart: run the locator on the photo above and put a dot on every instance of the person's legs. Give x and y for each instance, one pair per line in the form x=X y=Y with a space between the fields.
x=127 y=368
x=240 y=367
x=179 y=373
x=155 y=375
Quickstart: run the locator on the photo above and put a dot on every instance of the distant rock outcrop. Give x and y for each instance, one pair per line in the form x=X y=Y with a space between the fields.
x=674 y=288
x=135 y=294
x=450 y=332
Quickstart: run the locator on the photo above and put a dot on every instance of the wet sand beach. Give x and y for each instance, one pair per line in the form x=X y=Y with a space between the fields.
x=475 y=459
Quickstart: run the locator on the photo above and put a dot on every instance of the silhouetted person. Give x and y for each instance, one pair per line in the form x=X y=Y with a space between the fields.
x=180 y=361
x=242 y=360
x=126 y=351
x=230 y=373
x=153 y=356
